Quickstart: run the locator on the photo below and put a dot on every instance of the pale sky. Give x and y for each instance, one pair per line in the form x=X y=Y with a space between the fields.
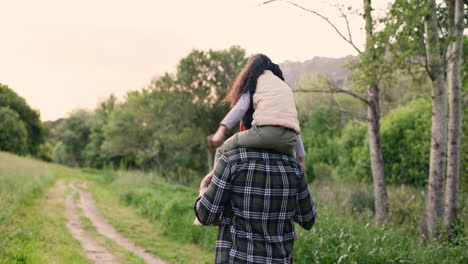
x=61 y=55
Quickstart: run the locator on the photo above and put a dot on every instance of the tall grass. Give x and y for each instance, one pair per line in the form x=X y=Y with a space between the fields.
x=344 y=231
x=21 y=180
x=170 y=204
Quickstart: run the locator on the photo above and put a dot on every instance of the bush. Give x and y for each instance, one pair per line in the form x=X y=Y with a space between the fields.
x=319 y=133
x=405 y=133
x=464 y=154
x=406 y=205
x=351 y=149
x=323 y=173
x=362 y=200
x=30 y=120
x=406 y=139
x=13 y=133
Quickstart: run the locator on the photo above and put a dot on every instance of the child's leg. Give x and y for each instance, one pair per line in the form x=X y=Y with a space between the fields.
x=232 y=143
x=275 y=138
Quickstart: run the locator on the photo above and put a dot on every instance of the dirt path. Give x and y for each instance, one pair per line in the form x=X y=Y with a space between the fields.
x=88 y=207
x=92 y=248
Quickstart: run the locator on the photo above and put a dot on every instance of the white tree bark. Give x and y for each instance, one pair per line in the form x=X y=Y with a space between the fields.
x=373 y=131
x=434 y=209
x=455 y=113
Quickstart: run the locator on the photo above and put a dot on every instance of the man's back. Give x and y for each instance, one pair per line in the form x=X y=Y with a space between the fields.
x=260 y=194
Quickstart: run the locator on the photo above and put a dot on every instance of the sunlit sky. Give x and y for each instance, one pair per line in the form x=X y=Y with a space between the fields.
x=61 y=55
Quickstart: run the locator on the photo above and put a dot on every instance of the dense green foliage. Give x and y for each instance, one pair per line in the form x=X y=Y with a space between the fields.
x=19 y=118
x=335 y=135
x=464 y=153
x=405 y=135
x=320 y=132
x=343 y=233
x=13 y=134
x=73 y=134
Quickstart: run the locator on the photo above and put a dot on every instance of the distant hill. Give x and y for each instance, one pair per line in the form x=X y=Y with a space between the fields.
x=331 y=67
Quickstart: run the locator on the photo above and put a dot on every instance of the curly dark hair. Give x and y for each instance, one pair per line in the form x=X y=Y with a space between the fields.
x=246 y=81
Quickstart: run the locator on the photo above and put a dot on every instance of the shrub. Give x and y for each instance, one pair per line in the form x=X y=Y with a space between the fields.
x=351 y=149
x=13 y=133
x=405 y=136
x=319 y=133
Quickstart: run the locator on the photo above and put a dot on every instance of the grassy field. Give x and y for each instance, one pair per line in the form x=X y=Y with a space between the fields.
x=148 y=234
x=158 y=216
x=32 y=226
x=343 y=233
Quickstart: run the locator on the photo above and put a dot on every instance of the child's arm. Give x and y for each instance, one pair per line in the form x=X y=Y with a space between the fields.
x=232 y=118
x=300 y=153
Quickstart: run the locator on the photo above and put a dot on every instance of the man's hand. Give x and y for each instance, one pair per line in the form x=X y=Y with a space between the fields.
x=205 y=183
x=218 y=137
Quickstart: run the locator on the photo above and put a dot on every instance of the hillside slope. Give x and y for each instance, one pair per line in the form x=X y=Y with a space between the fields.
x=331 y=67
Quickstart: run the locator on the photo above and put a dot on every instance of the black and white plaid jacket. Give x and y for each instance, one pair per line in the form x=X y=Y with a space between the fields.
x=256 y=196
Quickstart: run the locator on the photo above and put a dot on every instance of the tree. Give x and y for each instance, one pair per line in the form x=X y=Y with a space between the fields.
x=166 y=124
x=13 y=133
x=93 y=154
x=424 y=34
x=373 y=128
x=455 y=50
x=434 y=209
x=73 y=135
x=369 y=66
x=205 y=77
x=36 y=131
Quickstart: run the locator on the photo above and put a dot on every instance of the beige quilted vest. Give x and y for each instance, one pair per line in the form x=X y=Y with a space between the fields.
x=273 y=102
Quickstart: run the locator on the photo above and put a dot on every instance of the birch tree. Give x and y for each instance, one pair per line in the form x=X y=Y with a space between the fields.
x=373 y=128
x=455 y=50
x=434 y=208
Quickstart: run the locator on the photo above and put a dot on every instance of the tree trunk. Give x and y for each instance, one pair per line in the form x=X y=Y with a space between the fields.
x=434 y=209
x=376 y=156
x=455 y=114
x=373 y=131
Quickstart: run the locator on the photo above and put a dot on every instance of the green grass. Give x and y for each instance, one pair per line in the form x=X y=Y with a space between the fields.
x=344 y=231
x=21 y=180
x=148 y=234
x=37 y=233
x=159 y=217
x=336 y=237
x=171 y=205
x=123 y=255
x=32 y=226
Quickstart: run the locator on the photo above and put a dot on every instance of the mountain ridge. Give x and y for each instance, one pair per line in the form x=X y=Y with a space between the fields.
x=334 y=68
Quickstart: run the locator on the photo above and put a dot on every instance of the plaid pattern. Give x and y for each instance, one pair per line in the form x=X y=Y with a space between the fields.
x=260 y=195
